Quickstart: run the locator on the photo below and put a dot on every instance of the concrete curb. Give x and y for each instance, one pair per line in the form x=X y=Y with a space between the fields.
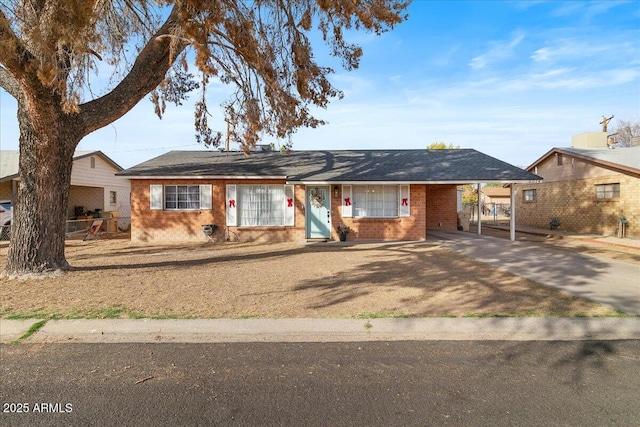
x=325 y=330
x=11 y=330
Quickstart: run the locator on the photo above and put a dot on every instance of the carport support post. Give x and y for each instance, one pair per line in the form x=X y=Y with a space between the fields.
x=512 y=217
x=479 y=210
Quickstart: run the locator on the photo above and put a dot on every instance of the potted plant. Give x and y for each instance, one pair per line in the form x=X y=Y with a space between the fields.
x=343 y=230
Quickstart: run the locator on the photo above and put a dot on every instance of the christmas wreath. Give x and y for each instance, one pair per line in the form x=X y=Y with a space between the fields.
x=316 y=198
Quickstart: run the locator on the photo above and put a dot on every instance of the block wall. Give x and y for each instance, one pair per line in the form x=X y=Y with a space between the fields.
x=574 y=203
x=90 y=198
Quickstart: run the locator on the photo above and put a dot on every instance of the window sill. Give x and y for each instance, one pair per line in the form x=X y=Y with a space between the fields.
x=263 y=227
x=378 y=218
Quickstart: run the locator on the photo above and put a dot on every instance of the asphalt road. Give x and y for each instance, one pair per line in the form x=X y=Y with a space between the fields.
x=440 y=383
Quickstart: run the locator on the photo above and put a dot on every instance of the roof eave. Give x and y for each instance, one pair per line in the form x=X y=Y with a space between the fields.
x=101 y=154
x=455 y=182
x=198 y=177
x=592 y=160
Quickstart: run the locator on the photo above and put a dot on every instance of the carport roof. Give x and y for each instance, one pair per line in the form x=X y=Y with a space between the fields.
x=408 y=166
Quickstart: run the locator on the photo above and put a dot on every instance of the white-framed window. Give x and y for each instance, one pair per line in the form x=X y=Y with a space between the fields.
x=180 y=197
x=260 y=205
x=607 y=191
x=113 y=197
x=529 y=195
x=376 y=201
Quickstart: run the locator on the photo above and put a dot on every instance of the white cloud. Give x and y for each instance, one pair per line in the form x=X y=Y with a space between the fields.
x=498 y=51
x=542 y=54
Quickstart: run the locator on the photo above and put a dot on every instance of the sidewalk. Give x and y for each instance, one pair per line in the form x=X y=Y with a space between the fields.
x=322 y=330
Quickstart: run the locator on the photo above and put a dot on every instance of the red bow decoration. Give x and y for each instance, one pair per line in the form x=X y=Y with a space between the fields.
x=405 y=202
x=232 y=203
x=289 y=203
x=347 y=201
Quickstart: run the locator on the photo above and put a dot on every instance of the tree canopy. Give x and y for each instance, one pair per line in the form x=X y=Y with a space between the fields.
x=53 y=51
x=261 y=47
x=442 y=146
x=625 y=131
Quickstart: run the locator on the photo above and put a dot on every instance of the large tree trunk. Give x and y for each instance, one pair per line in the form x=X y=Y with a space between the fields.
x=39 y=223
x=49 y=136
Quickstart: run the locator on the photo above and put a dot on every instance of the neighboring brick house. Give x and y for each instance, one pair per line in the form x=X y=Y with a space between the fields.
x=588 y=190
x=272 y=196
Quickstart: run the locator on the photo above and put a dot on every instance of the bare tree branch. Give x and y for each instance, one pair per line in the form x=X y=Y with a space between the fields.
x=148 y=71
x=14 y=56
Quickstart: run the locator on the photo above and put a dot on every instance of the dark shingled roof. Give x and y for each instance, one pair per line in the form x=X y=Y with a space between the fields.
x=460 y=165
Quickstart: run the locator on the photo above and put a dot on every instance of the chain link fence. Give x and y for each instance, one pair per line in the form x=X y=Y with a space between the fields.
x=490 y=213
x=82 y=228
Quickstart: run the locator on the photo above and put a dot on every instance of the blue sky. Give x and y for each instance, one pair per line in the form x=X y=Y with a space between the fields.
x=510 y=79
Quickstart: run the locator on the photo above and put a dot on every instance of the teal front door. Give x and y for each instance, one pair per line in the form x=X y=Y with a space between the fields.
x=318 y=212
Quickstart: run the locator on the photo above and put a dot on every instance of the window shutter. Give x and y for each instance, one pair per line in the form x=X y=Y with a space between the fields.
x=404 y=202
x=205 y=196
x=155 y=195
x=289 y=206
x=347 y=201
x=232 y=217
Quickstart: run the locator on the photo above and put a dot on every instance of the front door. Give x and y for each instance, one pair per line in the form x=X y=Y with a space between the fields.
x=318 y=212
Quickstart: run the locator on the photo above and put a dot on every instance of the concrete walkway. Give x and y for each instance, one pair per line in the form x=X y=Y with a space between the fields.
x=610 y=282
x=322 y=330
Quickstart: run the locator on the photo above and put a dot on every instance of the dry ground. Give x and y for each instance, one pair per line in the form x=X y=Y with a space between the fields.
x=118 y=278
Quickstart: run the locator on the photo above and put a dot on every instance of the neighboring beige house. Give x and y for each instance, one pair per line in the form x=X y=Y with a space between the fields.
x=94 y=185
x=586 y=188
x=497 y=195
x=496 y=200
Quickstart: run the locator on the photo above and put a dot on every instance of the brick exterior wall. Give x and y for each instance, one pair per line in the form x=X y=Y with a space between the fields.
x=161 y=225
x=436 y=202
x=407 y=228
x=265 y=234
x=574 y=203
x=442 y=207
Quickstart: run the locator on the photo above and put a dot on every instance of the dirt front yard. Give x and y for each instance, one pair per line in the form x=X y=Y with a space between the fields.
x=118 y=278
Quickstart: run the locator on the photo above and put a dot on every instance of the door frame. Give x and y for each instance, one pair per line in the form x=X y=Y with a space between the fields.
x=307 y=225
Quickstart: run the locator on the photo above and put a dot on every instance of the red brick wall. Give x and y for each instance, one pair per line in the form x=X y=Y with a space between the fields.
x=441 y=207
x=265 y=234
x=432 y=206
x=161 y=225
x=408 y=228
